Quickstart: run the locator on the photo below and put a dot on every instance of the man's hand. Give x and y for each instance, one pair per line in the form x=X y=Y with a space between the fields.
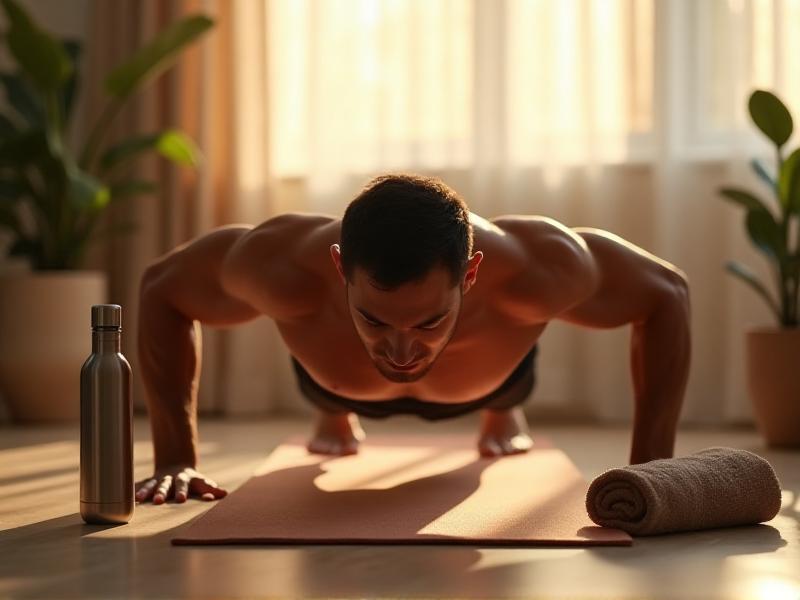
x=179 y=481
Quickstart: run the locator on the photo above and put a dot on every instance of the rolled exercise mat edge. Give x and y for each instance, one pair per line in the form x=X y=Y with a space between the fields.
x=715 y=487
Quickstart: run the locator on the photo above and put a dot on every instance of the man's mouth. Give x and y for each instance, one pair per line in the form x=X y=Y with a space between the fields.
x=410 y=367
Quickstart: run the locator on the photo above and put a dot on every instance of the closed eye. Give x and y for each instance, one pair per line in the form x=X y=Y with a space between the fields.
x=375 y=324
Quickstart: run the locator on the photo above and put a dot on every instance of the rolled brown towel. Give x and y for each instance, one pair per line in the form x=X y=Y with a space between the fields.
x=715 y=487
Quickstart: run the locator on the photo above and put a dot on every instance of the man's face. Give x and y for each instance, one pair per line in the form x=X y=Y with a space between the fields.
x=404 y=330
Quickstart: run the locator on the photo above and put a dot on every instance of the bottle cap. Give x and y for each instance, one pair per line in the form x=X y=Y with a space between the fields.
x=106 y=315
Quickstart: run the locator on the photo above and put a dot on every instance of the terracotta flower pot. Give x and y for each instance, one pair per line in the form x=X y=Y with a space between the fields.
x=45 y=336
x=773 y=379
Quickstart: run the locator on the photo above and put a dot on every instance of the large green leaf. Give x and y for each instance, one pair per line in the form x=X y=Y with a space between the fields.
x=179 y=148
x=151 y=60
x=37 y=52
x=22 y=100
x=766 y=234
x=746 y=275
x=744 y=198
x=771 y=116
x=171 y=144
x=789 y=182
x=86 y=192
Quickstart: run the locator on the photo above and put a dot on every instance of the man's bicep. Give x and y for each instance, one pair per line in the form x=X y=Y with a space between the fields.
x=632 y=282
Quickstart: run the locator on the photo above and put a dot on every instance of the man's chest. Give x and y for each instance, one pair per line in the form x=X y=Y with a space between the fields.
x=482 y=353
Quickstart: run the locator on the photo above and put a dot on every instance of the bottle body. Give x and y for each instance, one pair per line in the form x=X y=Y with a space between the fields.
x=106 y=431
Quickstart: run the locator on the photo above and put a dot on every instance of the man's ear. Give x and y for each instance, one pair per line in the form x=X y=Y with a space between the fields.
x=336 y=256
x=472 y=271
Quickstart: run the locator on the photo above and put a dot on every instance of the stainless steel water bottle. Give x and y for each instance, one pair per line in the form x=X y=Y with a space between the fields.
x=106 y=470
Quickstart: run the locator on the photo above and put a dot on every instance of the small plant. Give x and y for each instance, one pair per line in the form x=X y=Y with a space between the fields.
x=769 y=228
x=40 y=178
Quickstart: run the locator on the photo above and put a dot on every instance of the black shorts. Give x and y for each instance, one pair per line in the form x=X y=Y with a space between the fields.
x=512 y=392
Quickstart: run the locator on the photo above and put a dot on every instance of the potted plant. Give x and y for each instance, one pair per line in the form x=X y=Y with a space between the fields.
x=773 y=352
x=51 y=200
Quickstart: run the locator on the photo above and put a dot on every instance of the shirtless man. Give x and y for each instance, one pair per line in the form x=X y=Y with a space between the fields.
x=384 y=313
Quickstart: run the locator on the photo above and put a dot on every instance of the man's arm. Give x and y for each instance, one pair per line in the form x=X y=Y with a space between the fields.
x=594 y=278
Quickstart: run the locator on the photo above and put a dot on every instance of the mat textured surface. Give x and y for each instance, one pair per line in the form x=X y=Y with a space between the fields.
x=406 y=489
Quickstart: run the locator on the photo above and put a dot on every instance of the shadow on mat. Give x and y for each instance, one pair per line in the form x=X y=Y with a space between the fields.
x=401 y=510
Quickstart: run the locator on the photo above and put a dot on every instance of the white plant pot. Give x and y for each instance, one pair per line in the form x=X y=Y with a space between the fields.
x=45 y=337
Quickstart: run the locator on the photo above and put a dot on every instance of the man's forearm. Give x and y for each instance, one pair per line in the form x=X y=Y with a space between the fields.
x=660 y=356
x=174 y=432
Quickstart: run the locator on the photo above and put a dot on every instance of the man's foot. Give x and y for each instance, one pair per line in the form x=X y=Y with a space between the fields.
x=337 y=434
x=503 y=432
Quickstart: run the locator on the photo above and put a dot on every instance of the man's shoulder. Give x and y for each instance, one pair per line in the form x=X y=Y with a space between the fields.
x=273 y=267
x=291 y=227
x=547 y=253
x=290 y=239
x=543 y=242
x=532 y=231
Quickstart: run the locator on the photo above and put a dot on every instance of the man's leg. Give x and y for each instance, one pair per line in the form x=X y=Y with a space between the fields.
x=504 y=432
x=504 y=429
x=336 y=433
x=337 y=430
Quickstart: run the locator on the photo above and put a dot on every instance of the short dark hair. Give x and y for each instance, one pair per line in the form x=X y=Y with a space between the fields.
x=400 y=226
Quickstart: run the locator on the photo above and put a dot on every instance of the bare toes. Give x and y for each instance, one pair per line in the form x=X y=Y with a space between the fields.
x=334 y=447
x=350 y=448
x=489 y=447
x=522 y=442
x=517 y=444
x=317 y=446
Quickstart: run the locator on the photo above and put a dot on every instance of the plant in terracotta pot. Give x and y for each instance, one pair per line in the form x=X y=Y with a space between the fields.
x=773 y=352
x=51 y=199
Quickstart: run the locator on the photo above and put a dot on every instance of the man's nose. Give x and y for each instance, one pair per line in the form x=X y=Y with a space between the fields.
x=401 y=351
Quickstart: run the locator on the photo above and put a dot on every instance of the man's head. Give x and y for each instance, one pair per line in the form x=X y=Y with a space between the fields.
x=405 y=260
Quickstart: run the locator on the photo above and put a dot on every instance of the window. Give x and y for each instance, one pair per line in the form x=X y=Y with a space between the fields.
x=357 y=85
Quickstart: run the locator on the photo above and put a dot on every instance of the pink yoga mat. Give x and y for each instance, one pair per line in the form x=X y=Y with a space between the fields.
x=407 y=490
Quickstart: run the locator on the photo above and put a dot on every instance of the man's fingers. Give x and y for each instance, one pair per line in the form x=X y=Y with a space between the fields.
x=182 y=487
x=208 y=488
x=162 y=492
x=144 y=492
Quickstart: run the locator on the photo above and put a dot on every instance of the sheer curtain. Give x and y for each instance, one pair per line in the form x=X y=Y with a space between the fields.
x=625 y=115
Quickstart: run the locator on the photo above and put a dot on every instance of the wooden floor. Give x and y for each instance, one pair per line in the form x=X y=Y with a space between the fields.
x=46 y=551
